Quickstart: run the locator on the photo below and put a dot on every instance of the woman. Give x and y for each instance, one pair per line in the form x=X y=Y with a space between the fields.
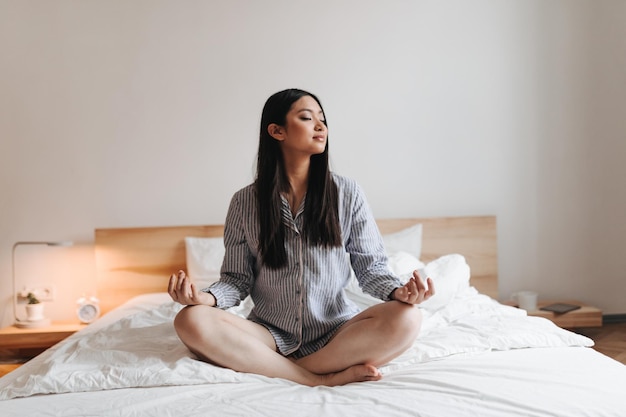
x=286 y=238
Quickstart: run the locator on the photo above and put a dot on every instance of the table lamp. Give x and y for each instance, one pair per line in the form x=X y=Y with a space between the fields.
x=29 y=323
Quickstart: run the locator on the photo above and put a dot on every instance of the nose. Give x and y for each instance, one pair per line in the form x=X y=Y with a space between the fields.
x=320 y=126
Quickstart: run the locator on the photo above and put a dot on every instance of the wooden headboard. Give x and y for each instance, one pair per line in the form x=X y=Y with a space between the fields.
x=134 y=261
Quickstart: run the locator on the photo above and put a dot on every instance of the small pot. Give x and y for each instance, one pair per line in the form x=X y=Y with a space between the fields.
x=34 y=312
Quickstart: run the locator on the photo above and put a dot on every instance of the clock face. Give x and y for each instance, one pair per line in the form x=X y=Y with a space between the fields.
x=88 y=312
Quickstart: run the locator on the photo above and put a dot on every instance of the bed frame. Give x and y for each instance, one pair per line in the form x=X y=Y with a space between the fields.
x=134 y=261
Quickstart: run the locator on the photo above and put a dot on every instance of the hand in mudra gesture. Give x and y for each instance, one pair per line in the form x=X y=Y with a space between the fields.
x=185 y=292
x=415 y=290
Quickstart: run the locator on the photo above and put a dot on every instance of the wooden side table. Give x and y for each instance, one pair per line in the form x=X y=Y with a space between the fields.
x=19 y=345
x=585 y=316
x=42 y=337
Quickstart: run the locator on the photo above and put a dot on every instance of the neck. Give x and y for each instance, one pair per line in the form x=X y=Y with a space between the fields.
x=298 y=172
x=298 y=175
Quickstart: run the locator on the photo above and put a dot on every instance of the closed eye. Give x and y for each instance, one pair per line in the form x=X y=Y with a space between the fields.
x=305 y=115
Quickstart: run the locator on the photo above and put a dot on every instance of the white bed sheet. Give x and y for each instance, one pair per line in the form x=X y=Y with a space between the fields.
x=473 y=357
x=526 y=382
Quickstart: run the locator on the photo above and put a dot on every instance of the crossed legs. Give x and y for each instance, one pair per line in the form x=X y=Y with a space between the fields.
x=370 y=339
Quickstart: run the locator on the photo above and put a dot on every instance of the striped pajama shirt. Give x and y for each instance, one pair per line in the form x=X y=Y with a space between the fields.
x=303 y=303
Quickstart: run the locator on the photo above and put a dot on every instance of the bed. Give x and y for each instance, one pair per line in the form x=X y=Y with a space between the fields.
x=474 y=356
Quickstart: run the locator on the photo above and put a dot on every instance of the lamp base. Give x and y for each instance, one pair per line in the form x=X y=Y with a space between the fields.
x=32 y=324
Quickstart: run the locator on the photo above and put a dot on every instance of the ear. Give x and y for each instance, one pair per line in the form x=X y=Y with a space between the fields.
x=276 y=131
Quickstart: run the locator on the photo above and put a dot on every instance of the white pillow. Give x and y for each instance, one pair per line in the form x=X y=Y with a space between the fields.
x=204 y=259
x=450 y=275
x=402 y=264
x=408 y=240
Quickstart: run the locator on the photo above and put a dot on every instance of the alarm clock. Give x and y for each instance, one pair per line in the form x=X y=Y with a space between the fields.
x=88 y=309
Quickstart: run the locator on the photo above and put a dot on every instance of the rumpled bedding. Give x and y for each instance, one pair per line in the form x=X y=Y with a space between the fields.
x=143 y=350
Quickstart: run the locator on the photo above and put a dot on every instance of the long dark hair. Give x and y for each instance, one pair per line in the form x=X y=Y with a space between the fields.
x=321 y=213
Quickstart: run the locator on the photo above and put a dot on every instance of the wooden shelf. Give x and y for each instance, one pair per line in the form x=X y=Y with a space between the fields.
x=585 y=316
x=38 y=338
x=6 y=368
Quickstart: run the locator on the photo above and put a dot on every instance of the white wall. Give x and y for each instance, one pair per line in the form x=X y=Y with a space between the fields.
x=142 y=113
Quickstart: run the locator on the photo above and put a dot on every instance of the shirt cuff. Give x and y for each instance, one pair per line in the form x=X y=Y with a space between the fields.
x=224 y=296
x=383 y=287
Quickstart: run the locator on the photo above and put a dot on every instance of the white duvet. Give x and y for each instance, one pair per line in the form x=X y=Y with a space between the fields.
x=473 y=354
x=142 y=350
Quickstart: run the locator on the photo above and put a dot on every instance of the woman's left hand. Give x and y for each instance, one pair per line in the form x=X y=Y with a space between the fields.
x=415 y=291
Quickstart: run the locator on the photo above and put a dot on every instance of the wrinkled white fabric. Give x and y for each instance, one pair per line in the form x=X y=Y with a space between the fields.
x=143 y=350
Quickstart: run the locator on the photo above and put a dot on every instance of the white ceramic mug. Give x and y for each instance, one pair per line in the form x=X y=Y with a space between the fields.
x=526 y=300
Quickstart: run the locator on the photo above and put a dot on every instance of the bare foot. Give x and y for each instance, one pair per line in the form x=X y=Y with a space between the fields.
x=355 y=373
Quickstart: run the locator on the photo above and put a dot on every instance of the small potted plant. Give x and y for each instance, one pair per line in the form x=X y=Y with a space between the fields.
x=34 y=308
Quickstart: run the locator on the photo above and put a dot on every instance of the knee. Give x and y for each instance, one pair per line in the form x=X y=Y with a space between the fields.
x=408 y=319
x=187 y=322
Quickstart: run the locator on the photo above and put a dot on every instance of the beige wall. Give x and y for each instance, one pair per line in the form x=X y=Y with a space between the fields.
x=133 y=113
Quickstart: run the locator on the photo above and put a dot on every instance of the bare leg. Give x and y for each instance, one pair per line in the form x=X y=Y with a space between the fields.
x=375 y=336
x=227 y=340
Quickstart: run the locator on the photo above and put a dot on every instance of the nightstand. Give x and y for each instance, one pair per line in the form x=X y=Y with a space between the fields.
x=585 y=316
x=19 y=345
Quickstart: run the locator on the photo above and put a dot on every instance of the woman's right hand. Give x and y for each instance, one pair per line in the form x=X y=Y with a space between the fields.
x=185 y=292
